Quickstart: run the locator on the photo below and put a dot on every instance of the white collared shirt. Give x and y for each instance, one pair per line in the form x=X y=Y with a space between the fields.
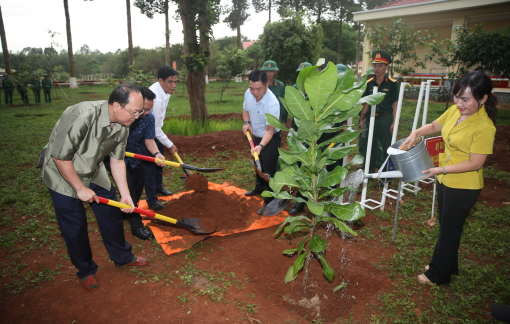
x=159 y=112
x=269 y=104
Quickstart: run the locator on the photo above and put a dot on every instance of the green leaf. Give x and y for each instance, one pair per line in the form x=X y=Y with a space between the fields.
x=344 y=137
x=349 y=212
x=334 y=192
x=290 y=251
x=315 y=207
x=357 y=159
x=300 y=261
x=338 y=223
x=372 y=99
x=295 y=145
x=345 y=80
x=307 y=129
x=326 y=268
x=273 y=121
x=288 y=220
x=337 y=153
x=317 y=244
x=319 y=86
x=305 y=181
x=290 y=274
x=297 y=105
x=280 y=179
x=290 y=157
x=322 y=162
x=303 y=74
x=329 y=179
x=284 y=103
x=301 y=244
x=341 y=101
x=297 y=229
x=340 y=287
x=296 y=223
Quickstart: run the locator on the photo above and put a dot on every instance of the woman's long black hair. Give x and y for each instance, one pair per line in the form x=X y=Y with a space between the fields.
x=480 y=85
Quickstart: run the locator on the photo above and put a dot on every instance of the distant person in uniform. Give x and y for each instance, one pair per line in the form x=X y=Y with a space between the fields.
x=8 y=87
x=277 y=87
x=74 y=173
x=47 y=85
x=385 y=111
x=35 y=85
x=22 y=87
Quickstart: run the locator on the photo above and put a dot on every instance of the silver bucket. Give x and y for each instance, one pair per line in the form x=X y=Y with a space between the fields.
x=412 y=162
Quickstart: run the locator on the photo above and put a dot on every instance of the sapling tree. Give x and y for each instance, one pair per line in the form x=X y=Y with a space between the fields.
x=332 y=99
x=231 y=63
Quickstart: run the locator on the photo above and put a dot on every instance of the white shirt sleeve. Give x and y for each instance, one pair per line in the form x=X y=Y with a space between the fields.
x=274 y=109
x=159 y=111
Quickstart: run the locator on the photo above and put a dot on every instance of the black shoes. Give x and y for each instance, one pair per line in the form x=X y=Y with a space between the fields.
x=253 y=192
x=142 y=233
x=261 y=210
x=164 y=192
x=297 y=208
x=156 y=206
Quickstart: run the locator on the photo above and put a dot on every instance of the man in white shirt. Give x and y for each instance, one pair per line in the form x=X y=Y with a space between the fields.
x=257 y=103
x=167 y=82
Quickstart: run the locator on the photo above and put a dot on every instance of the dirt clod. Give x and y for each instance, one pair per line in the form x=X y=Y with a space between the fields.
x=197 y=182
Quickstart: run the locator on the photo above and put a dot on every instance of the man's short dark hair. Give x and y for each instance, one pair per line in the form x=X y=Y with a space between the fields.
x=121 y=93
x=165 y=71
x=258 y=75
x=147 y=93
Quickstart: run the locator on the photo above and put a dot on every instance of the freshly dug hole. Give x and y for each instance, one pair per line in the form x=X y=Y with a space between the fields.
x=197 y=182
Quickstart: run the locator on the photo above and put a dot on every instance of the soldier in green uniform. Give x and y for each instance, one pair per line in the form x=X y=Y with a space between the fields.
x=35 y=85
x=8 y=87
x=47 y=85
x=385 y=111
x=276 y=87
x=22 y=87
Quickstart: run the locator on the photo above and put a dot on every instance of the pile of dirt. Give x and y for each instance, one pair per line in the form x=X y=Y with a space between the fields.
x=216 y=210
x=197 y=182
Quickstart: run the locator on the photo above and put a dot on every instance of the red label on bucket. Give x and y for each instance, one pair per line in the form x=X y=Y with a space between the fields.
x=435 y=145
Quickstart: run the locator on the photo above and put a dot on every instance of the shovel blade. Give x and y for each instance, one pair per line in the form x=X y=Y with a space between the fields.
x=276 y=206
x=206 y=170
x=193 y=224
x=260 y=173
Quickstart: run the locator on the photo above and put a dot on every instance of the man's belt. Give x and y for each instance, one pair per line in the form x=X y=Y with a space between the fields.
x=383 y=113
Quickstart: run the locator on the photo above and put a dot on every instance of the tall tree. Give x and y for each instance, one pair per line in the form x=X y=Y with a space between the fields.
x=130 y=36
x=148 y=8
x=342 y=12
x=318 y=9
x=237 y=15
x=7 y=60
x=197 y=18
x=72 y=80
x=262 y=5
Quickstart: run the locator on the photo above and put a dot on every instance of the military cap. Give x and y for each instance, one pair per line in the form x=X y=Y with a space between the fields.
x=302 y=66
x=341 y=68
x=381 y=57
x=269 y=66
x=370 y=71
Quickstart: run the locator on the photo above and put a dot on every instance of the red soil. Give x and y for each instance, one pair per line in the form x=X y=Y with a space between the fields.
x=197 y=182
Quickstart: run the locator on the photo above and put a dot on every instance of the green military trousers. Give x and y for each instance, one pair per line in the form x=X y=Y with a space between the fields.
x=380 y=142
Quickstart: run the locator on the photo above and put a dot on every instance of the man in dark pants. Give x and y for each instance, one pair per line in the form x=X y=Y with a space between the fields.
x=73 y=171
x=8 y=87
x=141 y=131
x=47 y=85
x=22 y=87
x=35 y=85
x=258 y=101
x=385 y=111
x=167 y=82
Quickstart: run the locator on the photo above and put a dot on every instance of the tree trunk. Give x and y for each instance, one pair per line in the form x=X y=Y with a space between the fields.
x=339 y=49
x=7 y=60
x=195 y=80
x=167 y=36
x=269 y=10
x=357 y=48
x=72 y=72
x=239 y=42
x=130 y=36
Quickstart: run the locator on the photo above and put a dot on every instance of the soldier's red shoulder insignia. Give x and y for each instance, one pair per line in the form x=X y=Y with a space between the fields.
x=393 y=80
x=369 y=80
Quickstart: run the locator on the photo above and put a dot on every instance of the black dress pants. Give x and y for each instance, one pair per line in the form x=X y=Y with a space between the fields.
x=72 y=221
x=135 y=180
x=153 y=173
x=269 y=161
x=454 y=206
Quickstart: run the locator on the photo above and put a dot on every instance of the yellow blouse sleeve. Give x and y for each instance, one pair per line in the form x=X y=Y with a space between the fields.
x=483 y=140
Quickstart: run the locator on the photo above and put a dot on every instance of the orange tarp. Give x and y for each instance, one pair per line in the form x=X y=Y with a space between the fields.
x=172 y=243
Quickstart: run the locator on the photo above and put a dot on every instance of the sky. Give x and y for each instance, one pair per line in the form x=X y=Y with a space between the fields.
x=101 y=24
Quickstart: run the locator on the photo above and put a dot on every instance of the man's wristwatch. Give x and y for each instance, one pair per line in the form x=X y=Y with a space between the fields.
x=444 y=171
x=247 y=122
x=262 y=146
x=156 y=153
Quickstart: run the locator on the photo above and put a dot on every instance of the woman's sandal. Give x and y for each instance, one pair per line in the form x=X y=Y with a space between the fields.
x=424 y=280
x=89 y=282
x=139 y=261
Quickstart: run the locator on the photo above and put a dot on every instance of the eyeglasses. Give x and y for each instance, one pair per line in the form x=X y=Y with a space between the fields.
x=133 y=115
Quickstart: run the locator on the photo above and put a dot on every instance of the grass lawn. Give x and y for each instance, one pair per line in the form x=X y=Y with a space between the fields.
x=28 y=225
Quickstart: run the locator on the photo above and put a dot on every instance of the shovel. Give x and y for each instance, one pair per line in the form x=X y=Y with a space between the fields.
x=257 y=166
x=191 y=224
x=174 y=164
x=183 y=169
x=277 y=205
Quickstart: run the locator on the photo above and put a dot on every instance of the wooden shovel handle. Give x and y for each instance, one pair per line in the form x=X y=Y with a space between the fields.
x=405 y=147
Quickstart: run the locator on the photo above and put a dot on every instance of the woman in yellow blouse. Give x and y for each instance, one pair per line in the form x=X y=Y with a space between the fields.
x=468 y=130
